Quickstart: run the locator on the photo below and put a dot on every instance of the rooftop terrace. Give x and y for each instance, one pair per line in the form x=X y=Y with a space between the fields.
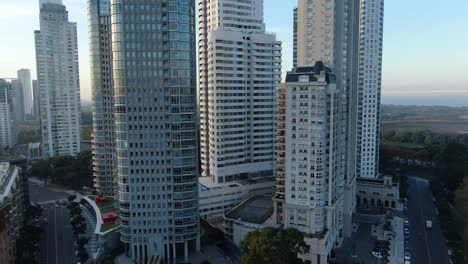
x=255 y=210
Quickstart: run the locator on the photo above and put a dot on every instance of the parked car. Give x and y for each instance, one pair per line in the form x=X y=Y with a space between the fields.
x=428 y=224
x=407 y=256
x=377 y=254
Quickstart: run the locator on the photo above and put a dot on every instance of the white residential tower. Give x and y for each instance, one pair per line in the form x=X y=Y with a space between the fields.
x=58 y=79
x=239 y=69
x=369 y=87
x=24 y=77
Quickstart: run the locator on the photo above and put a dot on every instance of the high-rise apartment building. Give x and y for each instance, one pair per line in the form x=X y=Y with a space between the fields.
x=239 y=69
x=315 y=31
x=36 y=100
x=24 y=77
x=295 y=38
x=58 y=78
x=7 y=116
x=314 y=176
x=155 y=109
x=328 y=31
x=369 y=87
x=103 y=147
x=279 y=199
x=19 y=99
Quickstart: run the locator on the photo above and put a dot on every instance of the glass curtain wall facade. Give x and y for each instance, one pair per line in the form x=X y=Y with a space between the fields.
x=103 y=146
x=154 y=72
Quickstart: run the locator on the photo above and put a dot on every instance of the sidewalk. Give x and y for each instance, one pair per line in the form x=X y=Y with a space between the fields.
x=93 y=247
x=398 y=243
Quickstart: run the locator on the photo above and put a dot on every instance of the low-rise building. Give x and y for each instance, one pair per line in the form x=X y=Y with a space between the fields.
x=19 y=156
x=253 y=214
x=380 y=192
x=215 y=200
x=11 y=210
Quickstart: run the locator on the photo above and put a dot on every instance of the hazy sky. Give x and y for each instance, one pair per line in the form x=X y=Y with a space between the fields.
x=425 y=42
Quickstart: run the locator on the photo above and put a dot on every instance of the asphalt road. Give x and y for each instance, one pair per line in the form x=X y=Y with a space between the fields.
x=57 y=244
x=40 y=194
x=427 y=245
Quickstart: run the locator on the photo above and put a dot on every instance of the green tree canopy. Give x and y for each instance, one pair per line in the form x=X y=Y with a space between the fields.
x=73 y=172
x=462 y=206
x=272 y=246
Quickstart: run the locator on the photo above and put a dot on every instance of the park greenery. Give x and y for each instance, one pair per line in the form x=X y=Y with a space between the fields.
x=448 y=156
x=273 y=246
x=72 y=172
x=29 y=132
x=413 y=112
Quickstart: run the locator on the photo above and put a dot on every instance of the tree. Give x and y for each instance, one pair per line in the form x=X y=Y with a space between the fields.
x=80 y=229
x=462 y=206
x=77 y=220
x=75 y=211
x=82 y=241
x=72 y=172
x=82 y=255
x=41 y=169
x=71 y=198
x=403 y=186
x=273 y=246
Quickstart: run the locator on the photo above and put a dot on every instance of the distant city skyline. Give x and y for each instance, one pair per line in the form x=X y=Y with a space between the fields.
x=412 y=59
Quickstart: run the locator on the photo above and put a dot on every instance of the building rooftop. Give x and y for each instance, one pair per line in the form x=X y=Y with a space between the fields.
x=104 y=209
x=4 y=173
x=312 y=72
x=256 y=210
x=7 y=173
x=379 y=180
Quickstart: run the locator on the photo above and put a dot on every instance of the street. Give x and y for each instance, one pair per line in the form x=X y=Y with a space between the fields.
x=427 y=245
x=57 y=245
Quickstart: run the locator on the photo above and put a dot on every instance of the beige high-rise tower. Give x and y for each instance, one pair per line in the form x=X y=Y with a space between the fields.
x=316 y=31
x=327 y=32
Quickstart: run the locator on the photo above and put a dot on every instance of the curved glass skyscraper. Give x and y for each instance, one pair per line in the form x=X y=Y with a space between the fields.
x=154 y=97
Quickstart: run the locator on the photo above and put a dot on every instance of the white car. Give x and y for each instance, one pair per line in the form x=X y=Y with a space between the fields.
x=407 y=256
x=377 y=254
